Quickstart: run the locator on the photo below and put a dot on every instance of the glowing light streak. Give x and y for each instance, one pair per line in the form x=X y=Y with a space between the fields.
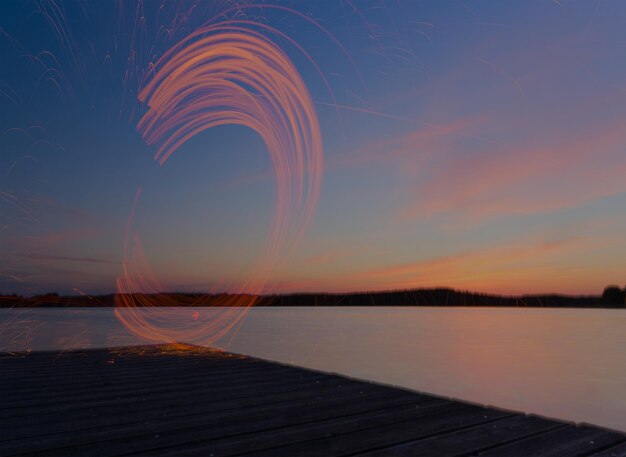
x=225 y=73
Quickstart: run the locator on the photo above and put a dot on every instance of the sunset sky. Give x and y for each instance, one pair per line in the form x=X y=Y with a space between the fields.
x=477 y=145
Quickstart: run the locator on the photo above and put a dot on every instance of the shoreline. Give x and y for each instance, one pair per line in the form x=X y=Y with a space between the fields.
x=444 y=297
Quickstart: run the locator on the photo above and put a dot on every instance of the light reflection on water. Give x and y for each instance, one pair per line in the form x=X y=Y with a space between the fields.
x=562 y=363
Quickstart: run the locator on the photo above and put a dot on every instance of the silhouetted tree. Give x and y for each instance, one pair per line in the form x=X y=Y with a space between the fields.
x=47 y=295
x=613 y=295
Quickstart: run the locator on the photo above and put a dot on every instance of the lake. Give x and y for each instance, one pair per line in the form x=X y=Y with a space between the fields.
x=562 y=363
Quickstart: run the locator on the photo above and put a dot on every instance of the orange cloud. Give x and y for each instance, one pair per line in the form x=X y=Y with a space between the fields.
x=520 y=267
x=578 y=259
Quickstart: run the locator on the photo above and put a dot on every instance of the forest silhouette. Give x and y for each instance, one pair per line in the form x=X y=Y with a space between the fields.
x=612 y=297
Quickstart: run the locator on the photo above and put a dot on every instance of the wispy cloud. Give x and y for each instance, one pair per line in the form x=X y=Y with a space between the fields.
x=520 y=265
x=411 y=144
x=52 y=238
x=491 y=256
x=526 y=179
x=54 y=258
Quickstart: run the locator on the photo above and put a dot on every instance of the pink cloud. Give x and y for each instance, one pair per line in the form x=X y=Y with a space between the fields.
x=409 y=144
x=527 y=179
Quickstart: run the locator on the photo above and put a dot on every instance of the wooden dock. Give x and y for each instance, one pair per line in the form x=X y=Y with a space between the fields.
x=165 y=401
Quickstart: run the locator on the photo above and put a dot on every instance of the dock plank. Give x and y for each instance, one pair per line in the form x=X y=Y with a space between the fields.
x=176 y=412
x=185 y=429
x=473 y=440
x=565 y=442
x=385 y=436
x=165 y=401
x=613 y=451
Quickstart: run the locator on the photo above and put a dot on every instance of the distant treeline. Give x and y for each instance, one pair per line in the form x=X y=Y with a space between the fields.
x=612 y=297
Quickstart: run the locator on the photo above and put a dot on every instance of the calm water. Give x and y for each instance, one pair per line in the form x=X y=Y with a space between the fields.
x=568 y=364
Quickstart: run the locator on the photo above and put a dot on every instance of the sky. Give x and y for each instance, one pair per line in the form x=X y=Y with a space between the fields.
x=475 y=145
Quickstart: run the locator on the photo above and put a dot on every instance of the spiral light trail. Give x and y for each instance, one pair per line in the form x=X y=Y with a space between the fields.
x=225 y=74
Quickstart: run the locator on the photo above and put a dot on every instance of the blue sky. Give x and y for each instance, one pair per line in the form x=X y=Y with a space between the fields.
x=477 y=145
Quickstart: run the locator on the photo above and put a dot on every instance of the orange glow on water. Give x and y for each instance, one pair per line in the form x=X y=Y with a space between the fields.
x=225 y=74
